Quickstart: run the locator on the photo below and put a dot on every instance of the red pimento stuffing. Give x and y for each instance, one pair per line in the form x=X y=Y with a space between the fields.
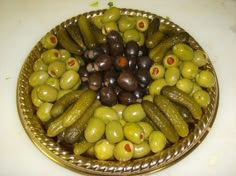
x=155 y=71
x=122 y=61
x=141 y=24
x=56 y=54
x=127 y=148
x=170 y=60
x=53 y=39
x=52 y=73
x=71 y=62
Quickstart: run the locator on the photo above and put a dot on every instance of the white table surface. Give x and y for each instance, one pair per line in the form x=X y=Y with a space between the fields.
x=211 y=22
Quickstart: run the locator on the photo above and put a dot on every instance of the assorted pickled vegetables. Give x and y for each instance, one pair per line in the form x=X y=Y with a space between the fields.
x=119 y=87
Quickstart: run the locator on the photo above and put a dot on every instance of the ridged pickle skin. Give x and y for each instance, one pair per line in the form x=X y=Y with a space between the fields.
x=180 y=97
x=85 y=101
x=160 y=120
x=173 y=115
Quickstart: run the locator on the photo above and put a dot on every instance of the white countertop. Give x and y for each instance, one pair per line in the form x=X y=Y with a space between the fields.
x=211 y=22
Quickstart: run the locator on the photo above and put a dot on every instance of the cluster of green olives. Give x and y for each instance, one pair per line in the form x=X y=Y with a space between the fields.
x=132 y=28
x=55 y=74
x=183 y=67
x=120 y=132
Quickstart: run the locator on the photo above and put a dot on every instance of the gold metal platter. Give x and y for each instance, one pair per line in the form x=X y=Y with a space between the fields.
x=149 y=164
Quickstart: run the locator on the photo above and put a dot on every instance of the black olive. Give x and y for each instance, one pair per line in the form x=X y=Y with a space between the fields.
x=132 y=62
x=126 y=98
x=114 y=36
x=116 y=48
x=83 y=74
x=93 y=53
x=143 y=77
x=139 y=93
x=121 y=63
x=131 y=48
x=105 y=48
x=143 y=51
x=95 y=81
x=115 y=43
x=117 y=89
x=103 y=63
x=144 y=62
x=108 y=96
x=127 y=81
x=110 y=78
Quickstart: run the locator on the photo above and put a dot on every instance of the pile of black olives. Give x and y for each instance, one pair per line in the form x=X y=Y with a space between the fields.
x=118 y=72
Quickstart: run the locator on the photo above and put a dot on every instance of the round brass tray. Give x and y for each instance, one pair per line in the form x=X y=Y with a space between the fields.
x=81 y=164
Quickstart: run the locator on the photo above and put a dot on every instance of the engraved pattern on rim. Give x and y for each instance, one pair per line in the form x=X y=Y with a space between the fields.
x=86 y=165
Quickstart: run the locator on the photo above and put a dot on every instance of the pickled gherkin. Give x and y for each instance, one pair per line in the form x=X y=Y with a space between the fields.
x=178 y=96
x=160 y=120
x=170 y=111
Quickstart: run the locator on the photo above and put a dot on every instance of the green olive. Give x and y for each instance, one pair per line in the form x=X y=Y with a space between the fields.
x=183 y=51
x=47 y=93
x=49 y=41
x=106 y=114
x=202 y=97
x=124 y=151
x=200 y=58
x=170 y=60
x=54 y=82
x=64 y=54
x=72 y=64
x=114 y=131
x=131 y=35
x=56 y=69
x=188 y=70
x=43 y=112
x=206 y=79
x=126 y=22
x=108 y=27
x=50 y=56
x=103 y=149
x=141 y=39
x=157 y=71
x=134 y=113
x=172 y=75
x=156 y=86
x=94 y=130
x=142 y=24
x=134 y=133
x=147 y=128
x=69 y=79
x=157 y=141
x=185 y=85
x=35 y=99
x=141 y=150
x=111 y=15
x=119 y=108
x=38 y=78
x=39 y=65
